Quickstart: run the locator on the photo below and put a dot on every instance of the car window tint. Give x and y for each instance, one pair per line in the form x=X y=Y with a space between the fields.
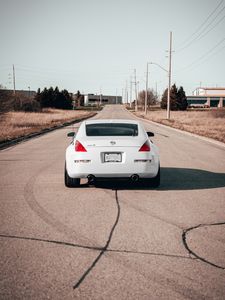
x=112 y=129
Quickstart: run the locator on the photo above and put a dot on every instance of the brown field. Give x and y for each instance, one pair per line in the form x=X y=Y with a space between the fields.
x=208 y=123
x=17 y=124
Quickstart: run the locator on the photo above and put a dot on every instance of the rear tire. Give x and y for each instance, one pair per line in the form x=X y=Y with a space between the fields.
x=69 y=181
x=155 y=182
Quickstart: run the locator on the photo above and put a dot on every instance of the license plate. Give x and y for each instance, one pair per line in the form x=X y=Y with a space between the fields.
x=112 y=157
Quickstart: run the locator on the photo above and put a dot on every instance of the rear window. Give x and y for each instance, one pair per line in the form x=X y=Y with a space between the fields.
x=112 y=129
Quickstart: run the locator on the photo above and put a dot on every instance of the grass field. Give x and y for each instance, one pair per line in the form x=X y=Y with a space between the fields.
x=208 y=123
x=17 y=124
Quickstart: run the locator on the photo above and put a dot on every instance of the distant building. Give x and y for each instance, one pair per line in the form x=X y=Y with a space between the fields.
x=207 y=91
x=91 y=99
x=207 y=97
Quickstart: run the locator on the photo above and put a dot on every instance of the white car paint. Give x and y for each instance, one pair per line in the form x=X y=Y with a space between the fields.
x=145 y=164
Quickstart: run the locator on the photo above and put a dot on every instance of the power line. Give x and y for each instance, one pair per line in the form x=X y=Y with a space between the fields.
x=201 y=25
x=199 y=60
x=212 y=27
x=202 y=32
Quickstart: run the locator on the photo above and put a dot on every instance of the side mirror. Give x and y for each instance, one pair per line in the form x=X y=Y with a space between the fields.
x=71 y=134
x=149 y=133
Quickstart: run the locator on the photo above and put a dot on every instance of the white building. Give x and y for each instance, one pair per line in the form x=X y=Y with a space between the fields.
x=207 y=97
x=208 y=91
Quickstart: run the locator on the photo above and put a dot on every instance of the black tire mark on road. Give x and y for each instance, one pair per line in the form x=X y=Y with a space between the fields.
x=44 y=214
x=184 y=239
x=104 y=249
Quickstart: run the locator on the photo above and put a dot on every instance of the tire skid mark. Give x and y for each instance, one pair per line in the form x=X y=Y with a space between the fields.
x=104 y=249
x=147 y=213
x=44 y=214
x=62 y=228
x=191 y=252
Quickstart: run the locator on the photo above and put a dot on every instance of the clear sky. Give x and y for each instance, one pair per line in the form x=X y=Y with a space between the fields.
x=94 y=45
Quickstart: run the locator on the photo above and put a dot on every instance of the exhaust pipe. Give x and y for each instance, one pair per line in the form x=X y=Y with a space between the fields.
x=91 y=179
x=134 y=178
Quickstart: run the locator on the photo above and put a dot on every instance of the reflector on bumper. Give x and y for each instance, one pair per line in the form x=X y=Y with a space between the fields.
x=142 y=160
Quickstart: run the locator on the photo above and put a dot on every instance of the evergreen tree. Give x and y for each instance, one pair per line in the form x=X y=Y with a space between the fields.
x=182 y=99
x=173 y=98
x=57 y=99
x=178 y=100
x=38 y=95
x=44 y=98
x=164 y=99
x=54 y=98
x=51 y=97
x=67 y=100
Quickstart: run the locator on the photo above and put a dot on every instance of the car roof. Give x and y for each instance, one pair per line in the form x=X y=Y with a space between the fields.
x=109 y=121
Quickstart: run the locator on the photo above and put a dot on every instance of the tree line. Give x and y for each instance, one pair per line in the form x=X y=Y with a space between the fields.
x=178 y=99
x=48 y=97
x=54 y=98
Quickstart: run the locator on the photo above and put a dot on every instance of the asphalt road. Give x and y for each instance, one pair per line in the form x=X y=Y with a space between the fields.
x=113 y=241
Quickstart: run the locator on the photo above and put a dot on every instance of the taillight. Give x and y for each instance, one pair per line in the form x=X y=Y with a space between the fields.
x=79 y=147
x=145 y=147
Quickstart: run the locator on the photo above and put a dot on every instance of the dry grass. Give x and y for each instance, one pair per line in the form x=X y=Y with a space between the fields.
x=208 y=123
x=17 y=124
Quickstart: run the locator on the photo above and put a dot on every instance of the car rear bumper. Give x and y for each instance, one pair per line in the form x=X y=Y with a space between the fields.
x=143 y=169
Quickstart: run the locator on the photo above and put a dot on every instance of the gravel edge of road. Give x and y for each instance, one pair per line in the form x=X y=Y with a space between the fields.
x=12 y=142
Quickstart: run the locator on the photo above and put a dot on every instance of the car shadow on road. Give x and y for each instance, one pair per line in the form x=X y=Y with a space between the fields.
x=172 y=179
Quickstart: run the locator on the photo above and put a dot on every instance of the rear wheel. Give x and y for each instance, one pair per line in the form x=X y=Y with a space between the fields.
x=69 y=181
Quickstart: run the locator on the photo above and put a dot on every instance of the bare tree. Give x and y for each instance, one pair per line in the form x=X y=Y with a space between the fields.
x=6 y=100
x=151 y=98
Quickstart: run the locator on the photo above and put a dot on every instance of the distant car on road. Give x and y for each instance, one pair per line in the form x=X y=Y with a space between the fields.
x=112 y=149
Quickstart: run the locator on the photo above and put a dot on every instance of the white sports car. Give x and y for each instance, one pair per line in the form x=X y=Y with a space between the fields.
x=116 y=149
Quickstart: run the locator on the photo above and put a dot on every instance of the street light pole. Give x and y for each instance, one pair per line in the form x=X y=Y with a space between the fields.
x=169 y=75
x=135 y=82
x=14 y=81
x=146 y=91
x=130 y=91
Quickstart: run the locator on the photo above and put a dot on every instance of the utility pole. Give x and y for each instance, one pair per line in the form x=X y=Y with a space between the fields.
x=135 y=82
x=126 y=92
x=169 y=75
x=130 y=91
x=100 y=97
x=14 y=81
x=146 y=91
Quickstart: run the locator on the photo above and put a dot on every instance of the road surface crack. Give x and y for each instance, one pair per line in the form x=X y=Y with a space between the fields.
x=191 y=252
x=104 y=249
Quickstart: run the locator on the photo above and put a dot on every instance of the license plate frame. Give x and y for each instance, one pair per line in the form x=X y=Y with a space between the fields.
x=112 y=157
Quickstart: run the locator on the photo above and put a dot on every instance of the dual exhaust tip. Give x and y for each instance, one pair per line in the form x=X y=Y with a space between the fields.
x=92 y=179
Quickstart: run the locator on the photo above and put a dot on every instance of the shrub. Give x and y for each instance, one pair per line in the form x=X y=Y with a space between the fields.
x=22 y=103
